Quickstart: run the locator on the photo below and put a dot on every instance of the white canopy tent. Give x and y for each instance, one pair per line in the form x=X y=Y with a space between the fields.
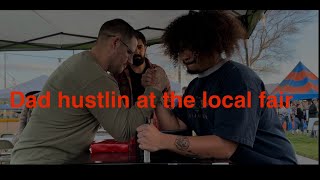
x=24 y=30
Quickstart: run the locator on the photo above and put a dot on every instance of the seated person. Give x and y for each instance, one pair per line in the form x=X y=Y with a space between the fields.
x=24 y=116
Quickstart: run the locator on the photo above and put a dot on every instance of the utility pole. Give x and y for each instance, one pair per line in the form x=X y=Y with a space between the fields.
x=179 y=73
x=247 y=52
x=5 y=70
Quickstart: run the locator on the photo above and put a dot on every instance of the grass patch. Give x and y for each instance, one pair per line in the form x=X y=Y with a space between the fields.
x=304 y=145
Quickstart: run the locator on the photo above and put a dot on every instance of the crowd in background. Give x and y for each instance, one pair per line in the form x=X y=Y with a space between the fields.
x=296 y=117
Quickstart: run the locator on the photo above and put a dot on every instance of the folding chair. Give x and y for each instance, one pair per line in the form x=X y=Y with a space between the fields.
x=5 y=151
x=7 y=136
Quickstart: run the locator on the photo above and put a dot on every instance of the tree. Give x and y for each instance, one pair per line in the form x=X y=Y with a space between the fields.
x=268 y=43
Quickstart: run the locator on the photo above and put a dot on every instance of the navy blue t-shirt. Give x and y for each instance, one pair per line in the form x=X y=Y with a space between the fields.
x=257 y=130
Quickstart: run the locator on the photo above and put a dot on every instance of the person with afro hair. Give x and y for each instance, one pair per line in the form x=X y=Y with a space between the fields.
x=205 y=42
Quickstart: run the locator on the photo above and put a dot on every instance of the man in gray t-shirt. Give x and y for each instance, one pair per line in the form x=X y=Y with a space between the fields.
x=62 y=134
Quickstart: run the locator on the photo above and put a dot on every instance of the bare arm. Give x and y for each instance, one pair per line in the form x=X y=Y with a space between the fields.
x=167 y=120
x=211 y=146
x=119 y=121
x=200 y=146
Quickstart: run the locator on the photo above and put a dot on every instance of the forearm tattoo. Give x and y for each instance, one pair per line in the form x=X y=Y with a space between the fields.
x=182 y=143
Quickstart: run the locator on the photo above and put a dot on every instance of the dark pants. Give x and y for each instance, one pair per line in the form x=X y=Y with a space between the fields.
x=298 y=123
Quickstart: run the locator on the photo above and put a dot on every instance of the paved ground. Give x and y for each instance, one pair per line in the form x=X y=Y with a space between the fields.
x=304 y=160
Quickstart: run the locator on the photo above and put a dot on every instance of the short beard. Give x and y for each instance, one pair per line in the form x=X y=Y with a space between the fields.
x=138 y=60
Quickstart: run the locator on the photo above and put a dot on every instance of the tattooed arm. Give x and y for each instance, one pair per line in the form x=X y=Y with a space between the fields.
x=151 y=139
x=200 y=146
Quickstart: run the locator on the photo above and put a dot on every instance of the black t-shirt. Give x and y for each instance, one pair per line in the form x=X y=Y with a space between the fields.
x=137 y=88
x=257 y=130
x=299 y=114
x=313 y=110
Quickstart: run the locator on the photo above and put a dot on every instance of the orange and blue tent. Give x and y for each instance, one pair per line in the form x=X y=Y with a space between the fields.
x=300 y=83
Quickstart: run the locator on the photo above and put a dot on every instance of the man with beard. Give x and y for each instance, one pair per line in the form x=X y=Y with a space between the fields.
x=129 y=80
x=204 y=42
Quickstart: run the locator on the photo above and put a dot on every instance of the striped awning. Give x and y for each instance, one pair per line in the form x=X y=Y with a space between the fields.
x=300 y=83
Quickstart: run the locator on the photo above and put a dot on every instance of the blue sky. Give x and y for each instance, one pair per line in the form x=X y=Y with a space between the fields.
x=22 y=68
x=306 y=50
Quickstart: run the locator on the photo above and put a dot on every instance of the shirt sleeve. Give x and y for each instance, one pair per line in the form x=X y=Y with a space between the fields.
x=119 y=121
